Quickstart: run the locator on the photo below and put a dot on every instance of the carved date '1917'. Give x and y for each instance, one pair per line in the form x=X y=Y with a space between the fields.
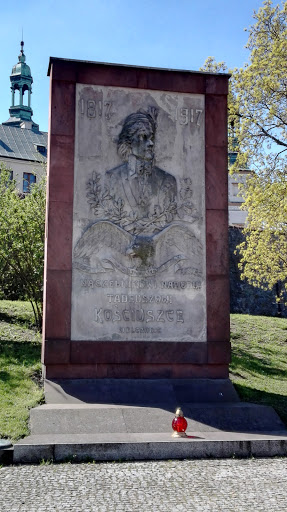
x=93 y=108
x=188 y=115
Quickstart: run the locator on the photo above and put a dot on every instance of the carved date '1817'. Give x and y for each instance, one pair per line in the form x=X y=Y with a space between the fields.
x=93 y=108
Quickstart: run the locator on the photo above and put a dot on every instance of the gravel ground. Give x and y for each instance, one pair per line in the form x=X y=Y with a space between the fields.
x=230 y=485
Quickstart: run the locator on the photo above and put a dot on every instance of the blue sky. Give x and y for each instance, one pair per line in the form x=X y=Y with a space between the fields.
x=160 y=33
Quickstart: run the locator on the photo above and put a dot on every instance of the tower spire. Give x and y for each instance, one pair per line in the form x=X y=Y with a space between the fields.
x=21 y=88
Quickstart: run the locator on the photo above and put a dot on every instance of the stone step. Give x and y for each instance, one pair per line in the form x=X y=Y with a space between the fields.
x=139 y=391
x=117 y=419
x=152 y=446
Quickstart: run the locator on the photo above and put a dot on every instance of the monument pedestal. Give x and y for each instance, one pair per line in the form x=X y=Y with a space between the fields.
x=156 y=446
x=136 y=265
x=139 y=392
x=136 y=288
x=131 y=420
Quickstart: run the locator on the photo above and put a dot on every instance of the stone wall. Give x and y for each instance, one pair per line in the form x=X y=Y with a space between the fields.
x=245 y=298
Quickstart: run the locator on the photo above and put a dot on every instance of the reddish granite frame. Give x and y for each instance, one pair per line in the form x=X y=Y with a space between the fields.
x=63 y=358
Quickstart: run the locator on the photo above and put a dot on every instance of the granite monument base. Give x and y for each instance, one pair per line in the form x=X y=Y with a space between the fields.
x=139 y=392
x=111 y=419
x=120 y=447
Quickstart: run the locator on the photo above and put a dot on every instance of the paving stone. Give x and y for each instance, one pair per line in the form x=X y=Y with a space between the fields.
x=232 y=485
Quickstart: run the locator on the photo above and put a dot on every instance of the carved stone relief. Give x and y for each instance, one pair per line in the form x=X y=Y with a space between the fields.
x=138 y=235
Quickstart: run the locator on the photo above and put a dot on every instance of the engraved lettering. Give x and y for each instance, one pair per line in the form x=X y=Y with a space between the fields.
x=198 y=112
x=95 y=108
x=177 y=285
x=188 y=116
x=141 y=330
x=145 y=284
x=169 y=315
x=191 y=115
x=179 y=316
x=150 y=316
x=100 y=108
x=144 y=299
x=116 y=317
x=108 y=106
x=140 y=315
x=82 y=106
x=108 y=314
x=91 y=108
x=183 y=116
x=165 y=299
x=98 y=317
x=126 y=315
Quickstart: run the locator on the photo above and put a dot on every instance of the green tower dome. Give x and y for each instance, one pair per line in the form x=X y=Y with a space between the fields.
x=21 y=87
x=21 y=68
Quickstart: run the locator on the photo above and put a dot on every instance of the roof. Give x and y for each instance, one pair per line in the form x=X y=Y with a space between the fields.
x=22 y=143
x=59 y=59
x=21 y=69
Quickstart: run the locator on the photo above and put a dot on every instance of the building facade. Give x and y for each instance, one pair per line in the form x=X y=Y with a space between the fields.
x=236 y=216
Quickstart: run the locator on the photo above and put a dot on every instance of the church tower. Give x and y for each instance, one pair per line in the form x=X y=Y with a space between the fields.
x=21 y=87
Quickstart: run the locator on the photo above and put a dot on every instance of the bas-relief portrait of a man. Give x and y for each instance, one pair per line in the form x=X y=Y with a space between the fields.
x=146 y=189
x=139 y=229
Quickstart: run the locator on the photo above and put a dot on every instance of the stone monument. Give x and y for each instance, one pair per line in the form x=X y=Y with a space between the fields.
x=136 y=299
x=136 y=273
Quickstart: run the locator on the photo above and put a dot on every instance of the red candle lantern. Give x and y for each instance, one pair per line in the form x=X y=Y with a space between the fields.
x=179 y=424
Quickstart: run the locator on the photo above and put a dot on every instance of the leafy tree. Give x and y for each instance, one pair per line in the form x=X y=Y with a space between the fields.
x=264 y=251
x=22 y=224
x=259 y=109
x=260 y=113
x=258 y=120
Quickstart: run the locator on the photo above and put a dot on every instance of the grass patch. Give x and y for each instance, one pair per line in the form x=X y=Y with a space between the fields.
x=17 y=312
x=20 y=368
x=259 y=354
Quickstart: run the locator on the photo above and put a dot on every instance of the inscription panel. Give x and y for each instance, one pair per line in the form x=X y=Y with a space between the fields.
x=139 y=216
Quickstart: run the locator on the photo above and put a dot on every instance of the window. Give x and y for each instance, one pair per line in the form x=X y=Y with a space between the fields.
x=232 y=156
x=28 y=180
x=41 y=149
x=235 y=189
